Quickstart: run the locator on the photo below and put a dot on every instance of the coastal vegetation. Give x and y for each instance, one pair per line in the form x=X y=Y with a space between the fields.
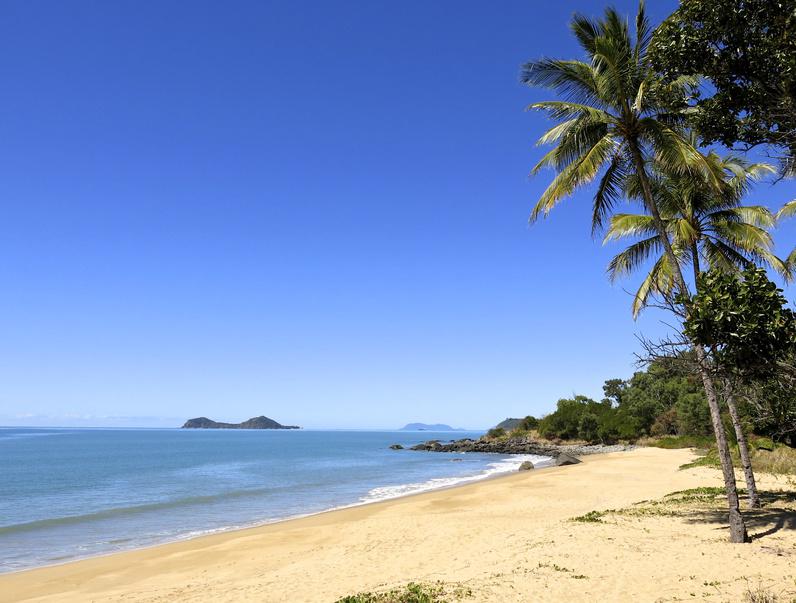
x=631 y=118
x=413 y=592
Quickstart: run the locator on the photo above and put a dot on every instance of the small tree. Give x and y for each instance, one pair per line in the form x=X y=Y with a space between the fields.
x=747 y=330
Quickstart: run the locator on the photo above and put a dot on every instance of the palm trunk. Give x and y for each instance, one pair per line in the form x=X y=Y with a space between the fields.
x=737 y=527
x=743 y=448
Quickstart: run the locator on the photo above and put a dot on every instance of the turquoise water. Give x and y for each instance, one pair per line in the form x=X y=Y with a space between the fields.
x=72 y=493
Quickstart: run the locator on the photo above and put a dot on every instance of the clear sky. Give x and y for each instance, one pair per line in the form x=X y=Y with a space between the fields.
x=315 y=211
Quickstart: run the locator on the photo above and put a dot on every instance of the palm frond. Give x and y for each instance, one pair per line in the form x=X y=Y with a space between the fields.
x=573 y=80
x=630 y=225
x=787 y=211
x=575 y=174
x=660 y=279
x=624 y=263
x=609 y=191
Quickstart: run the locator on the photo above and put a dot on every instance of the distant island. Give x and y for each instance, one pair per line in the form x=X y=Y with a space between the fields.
x=253 y=423
x=427 y=427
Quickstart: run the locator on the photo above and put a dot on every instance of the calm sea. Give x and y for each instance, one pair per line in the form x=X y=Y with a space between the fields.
x=72 y=493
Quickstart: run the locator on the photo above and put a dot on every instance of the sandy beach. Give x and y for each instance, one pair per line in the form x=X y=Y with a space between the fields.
x=506 y=539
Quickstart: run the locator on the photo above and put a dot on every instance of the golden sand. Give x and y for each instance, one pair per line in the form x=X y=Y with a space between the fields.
x=506 y=539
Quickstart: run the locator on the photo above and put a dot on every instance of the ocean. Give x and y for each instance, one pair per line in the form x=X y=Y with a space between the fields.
x=73 y=493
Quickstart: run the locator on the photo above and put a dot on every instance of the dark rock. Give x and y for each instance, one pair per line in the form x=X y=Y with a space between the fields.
x=526 y=466
x=565 y=459
x=396 y=447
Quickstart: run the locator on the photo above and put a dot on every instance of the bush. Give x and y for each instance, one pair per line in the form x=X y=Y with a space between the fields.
x=496 y=432
x=588 y=427
x=665 y=424
x=529 y=423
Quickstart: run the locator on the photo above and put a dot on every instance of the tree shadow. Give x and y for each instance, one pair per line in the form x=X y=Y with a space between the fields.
x=766 y=521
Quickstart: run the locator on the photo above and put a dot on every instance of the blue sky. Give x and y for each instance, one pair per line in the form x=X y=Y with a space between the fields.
x=315 y=211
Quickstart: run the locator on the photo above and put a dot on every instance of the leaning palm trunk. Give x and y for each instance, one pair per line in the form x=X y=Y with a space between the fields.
x=743 y=449
x=737 y=527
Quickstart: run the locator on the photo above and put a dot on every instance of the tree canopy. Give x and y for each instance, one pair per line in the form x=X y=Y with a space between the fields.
x=747 y=51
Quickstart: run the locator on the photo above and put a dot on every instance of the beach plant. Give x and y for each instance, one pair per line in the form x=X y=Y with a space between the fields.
x=590 y=517
x=413 y=592
x=614 y=117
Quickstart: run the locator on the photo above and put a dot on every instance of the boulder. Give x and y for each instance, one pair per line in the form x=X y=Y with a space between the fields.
x=396 y=447
x=526 y=466
x=433 y=445
x=565 y=459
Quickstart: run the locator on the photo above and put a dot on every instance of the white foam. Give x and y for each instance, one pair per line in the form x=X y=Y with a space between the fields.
x=505 y=465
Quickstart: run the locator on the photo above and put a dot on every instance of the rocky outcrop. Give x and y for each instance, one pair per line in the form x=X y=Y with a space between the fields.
x=526 y=466
x=260 y=422
x=518 y=445
x=396 y=447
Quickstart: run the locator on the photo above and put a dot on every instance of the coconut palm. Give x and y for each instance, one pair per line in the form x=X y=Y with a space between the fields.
x=704 y=226
x=614 y=115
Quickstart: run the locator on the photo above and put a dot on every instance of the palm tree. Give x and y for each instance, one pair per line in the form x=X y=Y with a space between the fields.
x=615 y=115
x=703 y=225
x=787 y=211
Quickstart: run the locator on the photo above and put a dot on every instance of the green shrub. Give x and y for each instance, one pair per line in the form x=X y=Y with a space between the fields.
x=496 y=432
x=588 y=427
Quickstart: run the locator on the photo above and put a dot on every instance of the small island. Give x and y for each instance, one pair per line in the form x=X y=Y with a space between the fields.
x=427 y=427
x=260 y=422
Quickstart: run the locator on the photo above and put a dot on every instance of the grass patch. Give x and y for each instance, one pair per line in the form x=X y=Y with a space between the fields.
x=709 y=501
x=590 y=517
x=779 y=461
x=682 y=441
x=760 y=595
x=412 y=593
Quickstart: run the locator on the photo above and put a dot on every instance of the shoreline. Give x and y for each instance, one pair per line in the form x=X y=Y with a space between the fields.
x=465 y=481
x=506 y=538
x=275 y=522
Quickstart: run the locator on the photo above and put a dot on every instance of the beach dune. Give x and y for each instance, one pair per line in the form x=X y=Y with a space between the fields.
x=506 y=539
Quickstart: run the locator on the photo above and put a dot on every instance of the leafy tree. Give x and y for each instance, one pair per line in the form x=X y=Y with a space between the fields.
x=614 y=389
x=743 y=322
x=771 y=404
x=747 y=50
x=588 y=427
x=529 y=423
x=615 y=116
